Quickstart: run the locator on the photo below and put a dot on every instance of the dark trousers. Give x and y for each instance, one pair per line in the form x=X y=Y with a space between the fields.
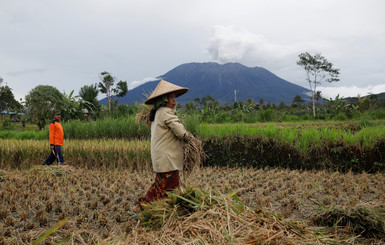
x=56 y=155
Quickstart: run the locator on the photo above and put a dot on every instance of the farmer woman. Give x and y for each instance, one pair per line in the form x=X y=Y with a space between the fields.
x=167 y=134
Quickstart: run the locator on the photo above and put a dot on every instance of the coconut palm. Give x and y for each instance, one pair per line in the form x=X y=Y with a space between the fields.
x=89 y=94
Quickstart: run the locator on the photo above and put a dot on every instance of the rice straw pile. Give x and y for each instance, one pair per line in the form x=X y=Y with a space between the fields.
x=195 y=216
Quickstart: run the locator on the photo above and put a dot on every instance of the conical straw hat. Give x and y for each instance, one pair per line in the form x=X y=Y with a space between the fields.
x=163 y=88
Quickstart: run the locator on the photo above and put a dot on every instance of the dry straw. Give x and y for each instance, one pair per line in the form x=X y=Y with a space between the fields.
x=143 y=116
x=193 y=153
x=194 y=216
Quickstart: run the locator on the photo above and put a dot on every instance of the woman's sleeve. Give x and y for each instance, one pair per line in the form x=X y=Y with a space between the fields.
x=173 y=122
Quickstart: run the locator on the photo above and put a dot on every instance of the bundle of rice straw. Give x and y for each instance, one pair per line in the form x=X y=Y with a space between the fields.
x=192 y=154
x=143 y=116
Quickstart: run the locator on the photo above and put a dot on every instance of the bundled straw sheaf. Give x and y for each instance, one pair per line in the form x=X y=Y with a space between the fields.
x=195 y=216
x=192 y=155
x=143 y=116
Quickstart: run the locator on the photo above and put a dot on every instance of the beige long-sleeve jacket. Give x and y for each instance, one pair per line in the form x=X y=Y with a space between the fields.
x=167 y=134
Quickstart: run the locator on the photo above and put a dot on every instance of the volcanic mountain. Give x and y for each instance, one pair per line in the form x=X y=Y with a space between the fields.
x=220 y=81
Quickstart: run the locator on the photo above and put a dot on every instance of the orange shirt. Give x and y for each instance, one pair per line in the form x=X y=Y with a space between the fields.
x=56 y=134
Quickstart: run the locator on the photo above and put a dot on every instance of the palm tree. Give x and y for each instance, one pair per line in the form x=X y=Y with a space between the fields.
x=89 y=93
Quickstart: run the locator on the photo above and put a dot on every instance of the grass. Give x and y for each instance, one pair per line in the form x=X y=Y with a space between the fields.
x=121 y=128
x=23 y=135
x=305 y=133
x=105 y=128
x=305 y=137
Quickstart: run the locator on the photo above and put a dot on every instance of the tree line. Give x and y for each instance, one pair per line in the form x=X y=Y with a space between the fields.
x=42 y=100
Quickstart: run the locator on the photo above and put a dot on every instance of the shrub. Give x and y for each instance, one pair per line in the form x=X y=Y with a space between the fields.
x=266 y=115
x=6 y=123
x=340 y=116
x=363 y=123
x=191 y=122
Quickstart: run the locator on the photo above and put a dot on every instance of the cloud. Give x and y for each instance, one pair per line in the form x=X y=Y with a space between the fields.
x=351 y=91
x=137 y=83
x=237 y=44
x=26 y=72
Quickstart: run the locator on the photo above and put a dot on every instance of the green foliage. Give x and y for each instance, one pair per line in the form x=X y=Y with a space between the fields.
x=41 y=101
x=303 y=138
x=124 y=110
x=7 y=100
x=190 y=106
x=244 y=107
x=363 y=123
x=106 y=87
x=207 y=101
x=89 y=95
x=40 y=135
x=340 y=116
x=376 y=114
x=6 y=123
x=191 y=122
x=297 y=100
x=266 y=115
x=318 y=69
x=71 y=107
x=124 y=127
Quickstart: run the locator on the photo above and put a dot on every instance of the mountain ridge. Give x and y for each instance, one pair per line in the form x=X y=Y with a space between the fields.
x=219 y=81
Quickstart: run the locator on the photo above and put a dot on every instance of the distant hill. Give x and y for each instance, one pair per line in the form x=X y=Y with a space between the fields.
x=220 y=81
x=354 y=100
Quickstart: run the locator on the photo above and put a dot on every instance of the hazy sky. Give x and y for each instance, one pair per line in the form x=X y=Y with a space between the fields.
x=67 y=43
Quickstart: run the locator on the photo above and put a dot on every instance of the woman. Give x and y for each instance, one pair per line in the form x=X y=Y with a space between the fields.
x=167 y=134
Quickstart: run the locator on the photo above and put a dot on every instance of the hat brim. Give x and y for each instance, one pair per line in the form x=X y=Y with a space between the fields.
x=178 y=93
x=164 y=88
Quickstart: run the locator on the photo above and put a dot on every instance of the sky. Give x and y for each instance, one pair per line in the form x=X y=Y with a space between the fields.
x=68 y=43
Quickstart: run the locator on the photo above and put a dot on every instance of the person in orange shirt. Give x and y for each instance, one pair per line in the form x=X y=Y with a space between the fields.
x=56 y=139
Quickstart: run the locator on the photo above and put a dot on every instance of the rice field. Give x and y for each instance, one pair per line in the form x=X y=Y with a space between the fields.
x=252 y=206
x=89 y=200
x=102 y=154
x=304 y=135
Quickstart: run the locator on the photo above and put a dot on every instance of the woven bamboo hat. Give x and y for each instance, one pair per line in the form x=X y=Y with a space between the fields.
x=163 y=88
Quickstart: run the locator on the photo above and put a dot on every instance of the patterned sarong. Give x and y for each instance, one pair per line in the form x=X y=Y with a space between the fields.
x=163 y=182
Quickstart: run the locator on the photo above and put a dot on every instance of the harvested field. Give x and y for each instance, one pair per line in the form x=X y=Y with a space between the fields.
x=275 y=206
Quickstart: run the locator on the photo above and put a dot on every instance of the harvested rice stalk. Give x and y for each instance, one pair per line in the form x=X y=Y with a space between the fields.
x=143 y=116
x=215 y=218
x=361 y=221
x=192 y=154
